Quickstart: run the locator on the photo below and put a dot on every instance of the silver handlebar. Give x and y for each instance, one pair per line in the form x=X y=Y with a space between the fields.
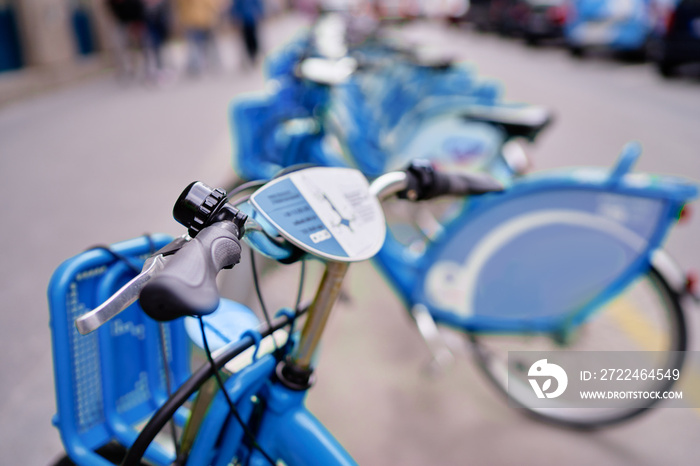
x=389 y=184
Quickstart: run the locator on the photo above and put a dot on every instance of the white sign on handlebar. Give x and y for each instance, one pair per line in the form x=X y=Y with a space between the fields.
x=328 y=212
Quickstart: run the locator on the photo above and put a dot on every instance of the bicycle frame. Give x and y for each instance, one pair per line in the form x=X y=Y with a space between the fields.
x=287 y=430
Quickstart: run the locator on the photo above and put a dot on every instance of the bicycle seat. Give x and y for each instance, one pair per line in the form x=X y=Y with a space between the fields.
x=432 y=60
x=327 y=71
x=518 y=120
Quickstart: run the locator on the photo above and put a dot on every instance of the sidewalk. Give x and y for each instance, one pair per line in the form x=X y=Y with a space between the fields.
x=18 y=85
x=28 y=82
x=98 y=162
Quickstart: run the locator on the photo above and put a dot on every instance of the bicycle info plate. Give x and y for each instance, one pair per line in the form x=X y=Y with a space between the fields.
x=328 y=212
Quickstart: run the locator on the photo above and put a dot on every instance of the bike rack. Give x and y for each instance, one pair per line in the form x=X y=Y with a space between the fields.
x=110 y=381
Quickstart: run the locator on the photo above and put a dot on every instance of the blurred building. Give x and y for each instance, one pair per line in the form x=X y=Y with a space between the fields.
x=47 y=42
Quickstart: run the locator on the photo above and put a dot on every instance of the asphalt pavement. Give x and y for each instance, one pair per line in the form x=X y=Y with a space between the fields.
x=103 y=161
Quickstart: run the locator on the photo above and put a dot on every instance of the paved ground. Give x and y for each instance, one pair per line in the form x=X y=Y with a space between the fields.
x=102 y=162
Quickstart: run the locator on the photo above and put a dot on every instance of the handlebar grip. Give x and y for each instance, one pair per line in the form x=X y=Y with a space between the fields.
x=425 y=182
x=187 y=284
x=462 y=184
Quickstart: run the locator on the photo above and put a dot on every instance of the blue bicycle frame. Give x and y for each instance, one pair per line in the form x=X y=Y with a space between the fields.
x=287 y=430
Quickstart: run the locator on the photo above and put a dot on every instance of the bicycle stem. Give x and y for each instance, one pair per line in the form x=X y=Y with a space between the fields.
x=319 y=311
x=296 y=371
x=329 y=289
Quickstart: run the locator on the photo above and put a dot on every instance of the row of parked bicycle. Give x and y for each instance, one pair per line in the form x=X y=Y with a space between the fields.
x=666 y=32
x=507 y=261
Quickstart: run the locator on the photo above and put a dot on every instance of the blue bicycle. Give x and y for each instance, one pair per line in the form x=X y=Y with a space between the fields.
x=376 y=108
x=575 y=263
x=568 y=260
x=116 y=368
x=134 y=369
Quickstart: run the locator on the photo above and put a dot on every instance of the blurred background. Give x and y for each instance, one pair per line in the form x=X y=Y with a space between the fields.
x=107 y=111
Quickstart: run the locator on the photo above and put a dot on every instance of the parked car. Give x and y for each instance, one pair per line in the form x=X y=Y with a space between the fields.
x=675 y=37
x=478 y=14
x=542 y=19
x=533 y=20
x=505 y=16
x=618 y=25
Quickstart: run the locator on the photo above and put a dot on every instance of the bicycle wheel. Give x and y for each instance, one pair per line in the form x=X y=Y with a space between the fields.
x=647 y=316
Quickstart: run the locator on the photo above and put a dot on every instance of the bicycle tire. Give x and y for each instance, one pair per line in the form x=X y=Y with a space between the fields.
x=673 y=338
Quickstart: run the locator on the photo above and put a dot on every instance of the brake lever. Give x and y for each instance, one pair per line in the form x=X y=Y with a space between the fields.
x=129 y=293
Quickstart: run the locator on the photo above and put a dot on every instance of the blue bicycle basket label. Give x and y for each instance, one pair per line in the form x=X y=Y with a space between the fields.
x=328 y=212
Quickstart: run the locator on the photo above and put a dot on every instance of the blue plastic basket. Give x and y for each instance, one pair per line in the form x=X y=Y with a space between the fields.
x=110 y=381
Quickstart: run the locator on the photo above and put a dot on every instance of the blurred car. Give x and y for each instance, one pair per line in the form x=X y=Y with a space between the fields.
x=541 y=19
x=505 y=16
x=675 y=38
x=533 y=20
x=617 y=25
x=499 y=16
x=478 y=14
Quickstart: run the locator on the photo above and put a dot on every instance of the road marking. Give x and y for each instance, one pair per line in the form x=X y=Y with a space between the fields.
x=644 y=334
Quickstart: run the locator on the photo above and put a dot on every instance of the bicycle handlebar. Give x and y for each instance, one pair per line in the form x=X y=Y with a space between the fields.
x=180 y=280
x=424 y=182
x=187 y=283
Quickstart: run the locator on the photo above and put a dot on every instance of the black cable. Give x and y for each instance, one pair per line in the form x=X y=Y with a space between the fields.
x=256 y=282
x=126 y=260
x=245 y=186
x=118 y=256
x=168 y=383
x=232 y=407
x=188 y=388
x=151 y=244
x=300 y=290
x=242 y=199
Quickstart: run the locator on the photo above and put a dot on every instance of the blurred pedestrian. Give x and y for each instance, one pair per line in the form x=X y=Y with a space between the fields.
x=129 y=34
x=157 y=15
x=248 y=13
x=199 y=19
